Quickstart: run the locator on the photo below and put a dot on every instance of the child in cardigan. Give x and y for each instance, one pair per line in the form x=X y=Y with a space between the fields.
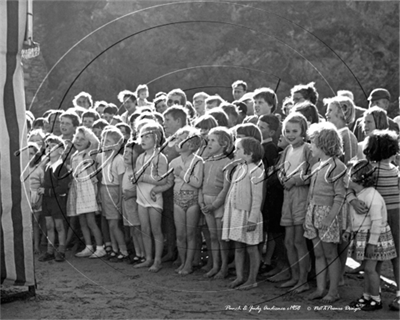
x=372 y=239
x=296 y=158
x=242 y=220
x=326 y=197
x=82 y=198
x=212 y=196
x=381 y=148
x=54 y=191
x=188 y=172
x=150 y=167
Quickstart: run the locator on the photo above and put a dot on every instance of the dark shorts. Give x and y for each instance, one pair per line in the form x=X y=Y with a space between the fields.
x=55 y=207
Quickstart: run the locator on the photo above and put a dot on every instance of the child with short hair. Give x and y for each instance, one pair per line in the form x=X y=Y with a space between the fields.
x=82 y=198
x=112 y=168
x=265 y=101
x=89 y=117
x=323 y=218
x=129 y=204
x=149 y=171
x=295 y=159
x=129 y=101
x=242 y=220
x=372 y=240
x=212 y=196
x=54 y=191
x=109 y=112
x=142 y=93
x=188 y=172
x=381 y=148
x=204 y=123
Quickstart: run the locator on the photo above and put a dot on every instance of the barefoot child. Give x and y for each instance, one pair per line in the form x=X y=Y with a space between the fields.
x=112 y=169
x=326 y=198
x=82 y=198
x=372 y=238
x=212 y=197
x=188 y=172
x=54 y=191
x=150 y=167
x=296 y=158
x=129 y=204
x=242 y=220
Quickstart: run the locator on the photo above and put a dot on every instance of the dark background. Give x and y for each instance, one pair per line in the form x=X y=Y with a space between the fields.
x=207 y=45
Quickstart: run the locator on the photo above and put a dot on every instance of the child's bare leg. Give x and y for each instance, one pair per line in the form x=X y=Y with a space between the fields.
x=85 y=230
x=215 y=250
x=50 y=235
x=254 y=257
x=155 y=223
x=333 y=262
x=192 y=220
x=224 y=251
x=270 y=249
x=342 y=251
x=137 y=239
x=180 y=227
x=206 y=233
x=372 y=276
x=118 y=235
x=36 y=232
x=91 y=222
x=320 y=270
x=144 y=218
x=73 y=221
x=292 y=257
x=239 y=264
x=304 y=261
x=59 y=223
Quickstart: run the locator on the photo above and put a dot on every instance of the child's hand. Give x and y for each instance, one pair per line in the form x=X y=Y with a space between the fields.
x=251 y=226
x=326 y=222
x=40 y=190
x=346 y=236
x=127 y=195
x=136 y=177
x=359 y=206
x=370 y=249
x=289 y=184
x=178 y=171
x=153 y=195
x=208 y=208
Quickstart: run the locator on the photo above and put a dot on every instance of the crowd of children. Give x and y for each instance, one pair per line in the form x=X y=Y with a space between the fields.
x=153 y=184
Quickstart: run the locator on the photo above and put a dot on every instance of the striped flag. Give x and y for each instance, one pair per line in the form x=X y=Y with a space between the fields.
x=16 y=249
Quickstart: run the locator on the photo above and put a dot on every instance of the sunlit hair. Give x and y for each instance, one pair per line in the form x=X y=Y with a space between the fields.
x=114 y=133
x=120 y=125
x=193 y=136
x=248 y=130
x=327 y=138
x=362 y=172
x=200 y=94
x=214 y=98
x=135 y=146
x=272 y=121
x=154 y=128
x=142 y=87
x=75 y=119
x=91 y=114
x=178 y=92
x=308 y=91
x=381 y=145
x=126 y=95
x=159 y=99
x=345 y=106
x=99 y=104
x=268 y=95
x=296 y=117
x=205 y=122
x=100 y=124
x=230 y=109
x=346 y=93
x=38 y=155
x=56 y=140
x=111 y=109
x=253 y=147
x=177 y=112
x=37 y=132
x=308 y=110
x=251 y=119
x=85 y=95
x=225 y=138
x=88 y=134
x=240 y=83
x=380 y=117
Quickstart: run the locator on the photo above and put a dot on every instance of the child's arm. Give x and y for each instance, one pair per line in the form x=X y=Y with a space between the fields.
x=193 y=176
x=256 y=185
x=219 y=201
x=160 y=189
x=159 y=167
x=308 y=164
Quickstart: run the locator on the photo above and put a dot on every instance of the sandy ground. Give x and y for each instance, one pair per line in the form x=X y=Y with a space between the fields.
x=97 y=289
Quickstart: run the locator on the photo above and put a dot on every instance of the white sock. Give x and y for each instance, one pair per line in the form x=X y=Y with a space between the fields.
x=376 y=298
x=99 y=248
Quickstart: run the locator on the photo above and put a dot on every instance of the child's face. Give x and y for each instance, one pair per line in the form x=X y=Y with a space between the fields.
x=185 y=147
x=37 y=139
x=199 y=105
x=161 y=106
x=143 y=94
x=66 y=126
x=80 y=142
x=265 y=130
x=108 y=117
x=97 y=132
x=147 y=141
x=53 y=150
x=87 y=122
x=316 y=152
x=332 y=114
x=32 y=153
x=109 y=142
x=369 y=124
x=262 y=107
x=297 y=97
x=130 y=157
x=130 y=105
x=83 y=102
x=238 y=92
x=292 y=134
x=213 y=145
x=239 y=152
